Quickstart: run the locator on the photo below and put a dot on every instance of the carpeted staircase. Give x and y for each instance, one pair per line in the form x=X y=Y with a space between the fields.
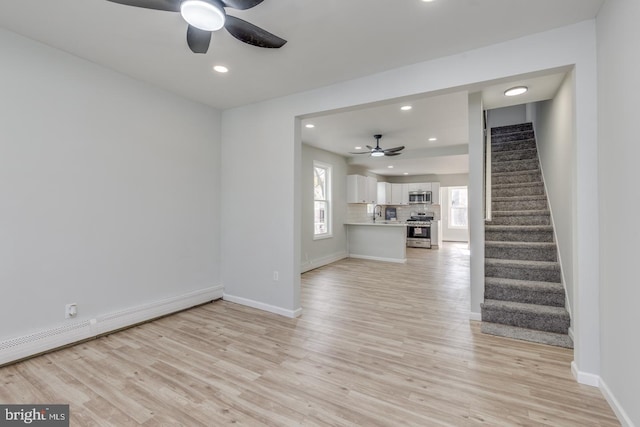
x=524 y=296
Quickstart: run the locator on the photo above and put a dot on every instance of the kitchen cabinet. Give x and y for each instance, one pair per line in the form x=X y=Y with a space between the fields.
x=399 y=194
x=435 y=193
x=384 y=193
x=361 y=189
x=420 y=186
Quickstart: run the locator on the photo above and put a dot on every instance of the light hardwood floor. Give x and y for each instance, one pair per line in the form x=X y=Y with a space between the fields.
x=377 y=344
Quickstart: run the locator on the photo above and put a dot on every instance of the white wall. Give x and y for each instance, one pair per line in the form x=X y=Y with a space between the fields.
x=555 y=137
x=109 y=190
x=272 y=129
x=618 y=176
x=506 y=116
x=316 y=253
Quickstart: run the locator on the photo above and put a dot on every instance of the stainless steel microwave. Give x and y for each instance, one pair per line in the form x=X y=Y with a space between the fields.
x=419 y=197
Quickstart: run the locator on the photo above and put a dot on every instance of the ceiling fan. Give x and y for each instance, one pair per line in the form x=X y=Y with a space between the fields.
x=379 y=152
x=206 y=16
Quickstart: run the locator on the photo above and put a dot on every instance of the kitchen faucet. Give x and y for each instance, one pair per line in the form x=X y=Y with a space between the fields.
x=374 y=212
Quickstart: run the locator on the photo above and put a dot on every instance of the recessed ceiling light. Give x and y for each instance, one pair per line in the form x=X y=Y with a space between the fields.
x=406 y=107
x=390 y=166
x=406 y=173
x=221 y=69
x=310 y=126
x=514 y=91
x=427 y=1
x=358 y=148
x=433 y=139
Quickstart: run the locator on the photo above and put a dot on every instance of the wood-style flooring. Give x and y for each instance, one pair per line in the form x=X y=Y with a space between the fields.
x=378 y=344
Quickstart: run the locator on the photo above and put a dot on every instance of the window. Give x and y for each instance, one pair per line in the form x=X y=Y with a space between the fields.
x=458 y=205
x=321 y=200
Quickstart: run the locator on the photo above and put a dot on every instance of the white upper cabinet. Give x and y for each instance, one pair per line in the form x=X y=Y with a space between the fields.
x=420 y=186
x=384 y=193
x=361 y=189
x=435 y=193
x=399 y=194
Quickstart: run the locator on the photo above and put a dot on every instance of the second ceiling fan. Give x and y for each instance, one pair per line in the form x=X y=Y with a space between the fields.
x=206 y=16
x=379 y=152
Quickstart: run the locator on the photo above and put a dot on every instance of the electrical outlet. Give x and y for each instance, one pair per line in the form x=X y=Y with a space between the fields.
x=276 y=276
x=70 y=310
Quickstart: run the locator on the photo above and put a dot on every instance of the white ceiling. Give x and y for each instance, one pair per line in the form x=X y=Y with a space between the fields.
x=328 y=41
x=444 y=117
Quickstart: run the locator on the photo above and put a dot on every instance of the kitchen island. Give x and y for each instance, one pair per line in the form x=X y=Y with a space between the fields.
x=380 y=241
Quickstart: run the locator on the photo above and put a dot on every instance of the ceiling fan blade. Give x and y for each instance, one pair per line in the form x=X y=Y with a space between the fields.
x=241 y=4
x=359 y=152
x=198 y=40
x=168 y=5
x=391 y=154
x=394 y=149
x=250 y=34
x=369 y=147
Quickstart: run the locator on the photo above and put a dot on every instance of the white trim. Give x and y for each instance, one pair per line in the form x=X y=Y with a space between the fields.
x=570 y=332
x=262 y=306
x=584 y=377
x=622 y=415
x=68 y=333
x=375 y=258
x=475 y=316
x=319 y=262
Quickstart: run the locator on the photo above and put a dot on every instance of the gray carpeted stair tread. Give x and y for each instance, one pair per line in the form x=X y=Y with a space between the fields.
x=517 y=185
x=520 y=127
x=522 y=315
x=526 y=284
x=518 y=263
x=511 y=155
x=518 y=198
x=542 y=212
x=515 y=165
x=512 y=136
x=512 y=173
x=519 y=144
x=523 y=228
x=541 y=337
x=517 y=249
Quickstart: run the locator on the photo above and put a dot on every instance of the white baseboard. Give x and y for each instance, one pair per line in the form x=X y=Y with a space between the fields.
x=622 y=415
x=584 y=377
x=475 y=316
x=375 y=258
x=263 y=306
x=71 y=332
x=570 y=332
x=319 y=262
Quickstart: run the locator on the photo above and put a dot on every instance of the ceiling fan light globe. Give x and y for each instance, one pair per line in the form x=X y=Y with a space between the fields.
x=377 y=154
x=203 y=14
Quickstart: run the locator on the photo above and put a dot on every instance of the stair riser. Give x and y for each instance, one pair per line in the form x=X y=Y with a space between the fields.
x=517 y=178
x=526 y=144
x=549 y=338
x=557 y=324
x=518 y=236
x=521 y=220
x=505 y=293
x=514 y=136
x=523 y=273
x=511 y=129
x=536 y=190
x=519 y=205
x=505 y=156
x=526 y=254
x=514 y=166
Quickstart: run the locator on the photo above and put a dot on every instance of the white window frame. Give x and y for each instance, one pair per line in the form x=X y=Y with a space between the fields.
x=450 y=208
x=329 y=209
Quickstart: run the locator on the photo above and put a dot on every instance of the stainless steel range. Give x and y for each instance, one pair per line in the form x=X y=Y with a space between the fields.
x=419 y=230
